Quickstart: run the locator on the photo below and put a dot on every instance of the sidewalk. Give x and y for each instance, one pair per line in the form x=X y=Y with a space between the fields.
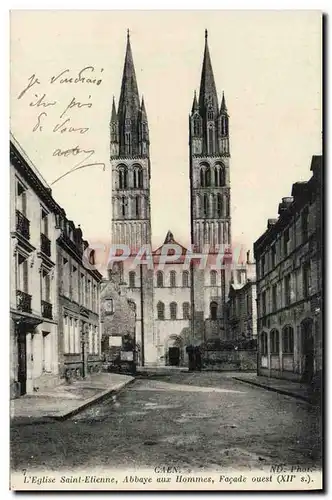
x=286 y=387
x=65 y=400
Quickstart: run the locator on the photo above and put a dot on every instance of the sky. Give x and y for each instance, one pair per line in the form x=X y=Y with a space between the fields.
x=268 y=63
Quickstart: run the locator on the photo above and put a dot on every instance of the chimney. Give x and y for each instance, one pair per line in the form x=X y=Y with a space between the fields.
x=285 y=203
x=271 y=222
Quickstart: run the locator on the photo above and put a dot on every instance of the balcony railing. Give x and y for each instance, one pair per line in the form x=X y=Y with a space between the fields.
x=23 y=301
x=22 y=225
x=45 y=245
x=46 y=309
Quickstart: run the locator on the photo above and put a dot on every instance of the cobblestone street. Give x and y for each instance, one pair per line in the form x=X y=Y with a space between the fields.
x=197 y=420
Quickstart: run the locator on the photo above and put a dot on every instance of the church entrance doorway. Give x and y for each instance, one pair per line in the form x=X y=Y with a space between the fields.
x=174 y=356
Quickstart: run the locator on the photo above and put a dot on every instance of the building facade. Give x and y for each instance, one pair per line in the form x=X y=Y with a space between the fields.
x=289 y=284
x=78 y=288
x=163 y=324
x=241 y=305
x=33 y=273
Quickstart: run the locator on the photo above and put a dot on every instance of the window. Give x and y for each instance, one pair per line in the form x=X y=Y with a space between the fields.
x=77 y=336
x=274 y=298
x=196 y=126
x=219 y=176
x=46 y=286
x=219 y=205
x=287 y=290
x=173 y=307
x=306 y=279
x=286 y=240
x=185 y=279
x=263 y=344
x=123 y=206
x=21 y=202
x=263 y=265
x=74 y=287
x=44 y=222
x=161 y=310
x=264 y=303
x=128 y=143
x=273 y=255
x=210 y=114
x=304 y=224
x=22 y=275
x=160 y=279
x=248 y=304
x=123 y=178
x=46 y=352
x=91 y=346
x=83 y=290
x=172 y=279
x=96 y=340
x=137 y=207
x=288 y=340
x=239 y=277
x=205 y=205
x=186 y=310
x=94 y=298
x=213 y=278
x=66 y=334
x=138 y=177
x=213 y=310
x=89 y=294
x=211 y=139
x=224 y=126
x=274 y=341
x=132 y=279
x=65 y=276
x=202 y=178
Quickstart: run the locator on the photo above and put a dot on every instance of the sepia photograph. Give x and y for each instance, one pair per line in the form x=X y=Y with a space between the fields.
x=166 y=250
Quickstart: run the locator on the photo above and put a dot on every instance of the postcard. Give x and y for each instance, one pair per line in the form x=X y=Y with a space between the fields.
x=166 y=313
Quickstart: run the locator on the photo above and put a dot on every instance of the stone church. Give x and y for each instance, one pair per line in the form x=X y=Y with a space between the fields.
x=177 y=305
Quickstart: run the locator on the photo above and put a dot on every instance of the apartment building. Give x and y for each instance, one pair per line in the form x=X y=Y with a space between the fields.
x=78 y=303
x=289 y=284
x=33 y=277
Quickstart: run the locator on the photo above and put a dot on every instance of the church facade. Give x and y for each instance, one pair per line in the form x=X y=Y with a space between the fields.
x=181 y=303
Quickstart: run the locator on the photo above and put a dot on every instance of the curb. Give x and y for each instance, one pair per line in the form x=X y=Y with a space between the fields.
x=273 y=389
x=64 y=416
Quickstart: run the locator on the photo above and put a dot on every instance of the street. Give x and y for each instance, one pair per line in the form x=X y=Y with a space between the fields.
x=200 y=420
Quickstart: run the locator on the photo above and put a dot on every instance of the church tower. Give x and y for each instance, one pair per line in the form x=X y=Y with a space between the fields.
x=209 y=155
x=130 y=161
x=209 y=164
x=131 y=221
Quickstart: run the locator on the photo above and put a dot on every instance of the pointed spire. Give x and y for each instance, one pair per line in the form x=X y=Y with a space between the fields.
x=195 y=103
x=169 y=237
x=114 y=116
x=129 y=98
x=143 y=110
x=207 y=92
x=223 y=106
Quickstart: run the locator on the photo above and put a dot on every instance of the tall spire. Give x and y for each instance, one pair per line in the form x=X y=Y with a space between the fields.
x=114 y=116
x=195 y=103
x=129 y=99
x=223 y=106
x=207 y=92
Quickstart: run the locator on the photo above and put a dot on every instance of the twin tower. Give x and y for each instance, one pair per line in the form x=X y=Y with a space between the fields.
x=209 y=155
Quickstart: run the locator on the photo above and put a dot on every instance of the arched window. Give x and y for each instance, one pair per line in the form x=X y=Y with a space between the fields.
x=213 y=310
x=207 y=177
x=197 y=128
x=211 y=138
x=137 y=206
x=172 y=279
x=186 y=310
x=160 y=279
x=210 y=114
x=274 y=341
x=288 y=340
x=132 y=279
x=219 y=205
x=128 y=143
x=263 y=344
x=219 y=175
x=173 y=307
x=138 y=177
x=202 y=177
x=205 y=205
x=185 y=279
x=161 y=310
x=123 y=206
x=224 y=126
x=213 y=278
x=123 y=177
